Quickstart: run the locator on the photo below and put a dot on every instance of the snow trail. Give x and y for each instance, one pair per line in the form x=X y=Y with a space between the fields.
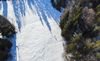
x=38 y=34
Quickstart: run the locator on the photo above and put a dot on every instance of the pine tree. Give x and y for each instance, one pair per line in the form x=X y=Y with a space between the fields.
x=64 y=20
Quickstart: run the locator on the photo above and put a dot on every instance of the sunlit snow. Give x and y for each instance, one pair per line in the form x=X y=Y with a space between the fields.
x=38 y=34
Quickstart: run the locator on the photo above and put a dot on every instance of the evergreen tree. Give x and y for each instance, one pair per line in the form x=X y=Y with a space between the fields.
x=70 y=27
x=64 y=19
x=7 y=30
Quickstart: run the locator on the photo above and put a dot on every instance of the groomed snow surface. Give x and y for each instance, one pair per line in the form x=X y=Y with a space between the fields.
x=38 y=35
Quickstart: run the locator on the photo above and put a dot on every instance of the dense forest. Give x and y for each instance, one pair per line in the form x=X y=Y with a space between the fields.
x=7 y=31
x=80 y=25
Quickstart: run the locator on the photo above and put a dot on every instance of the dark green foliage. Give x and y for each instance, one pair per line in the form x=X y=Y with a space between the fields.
x=98 y=14
x=77 y=39
x=78 y=48
x=81 y=3
x=98 y=57
x=71 y=47
x=3 y=55
x=5 y=47
x=95 y=33
x=58 y=6
x=98 y=8
x=60 y=3
x=84 y=3
x=98 y=21
x=84 y=49
x=95 y=3
x=76 y=11
x=64 y=19
x=82 y=38
x=76 y=56
x=52 y=1
x=79 y=10
x=87 y=33
x=70 y=27
x=6 y=28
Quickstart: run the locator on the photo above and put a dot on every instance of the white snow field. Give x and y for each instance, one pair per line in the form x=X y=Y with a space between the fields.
x=38 y=35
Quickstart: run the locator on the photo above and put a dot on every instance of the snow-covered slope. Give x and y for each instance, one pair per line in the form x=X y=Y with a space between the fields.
x=37 y=24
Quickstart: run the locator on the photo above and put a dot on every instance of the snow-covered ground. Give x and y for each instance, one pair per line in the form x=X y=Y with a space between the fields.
x=38 y=34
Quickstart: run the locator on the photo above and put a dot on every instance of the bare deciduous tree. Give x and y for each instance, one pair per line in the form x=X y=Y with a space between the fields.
x=88 y=16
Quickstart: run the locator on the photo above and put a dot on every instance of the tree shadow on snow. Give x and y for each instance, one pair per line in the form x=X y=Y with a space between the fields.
x=45 y=11
x=13 y=40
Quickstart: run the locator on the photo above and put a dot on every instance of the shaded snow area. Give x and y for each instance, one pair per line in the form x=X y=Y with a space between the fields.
x=38 y=35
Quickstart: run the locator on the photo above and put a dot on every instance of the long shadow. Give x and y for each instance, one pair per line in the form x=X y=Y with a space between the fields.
x=0 y=5
x=29 y=3
x=13 y=40
x=17 y=14
x=19 y=8
x=5 y=9
x=22 y=8
x=52 y=13
x=41 y=9
x=13 y=49
x=33 y=3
